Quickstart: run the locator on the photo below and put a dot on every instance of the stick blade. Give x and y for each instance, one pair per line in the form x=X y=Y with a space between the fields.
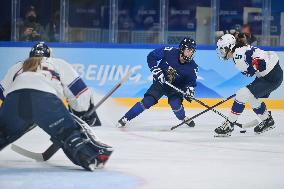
x=26 y=153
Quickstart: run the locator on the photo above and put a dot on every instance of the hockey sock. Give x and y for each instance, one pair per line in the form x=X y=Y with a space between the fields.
x=139 y=107
x=261 y=111
x=237 y=109
x=177 y=107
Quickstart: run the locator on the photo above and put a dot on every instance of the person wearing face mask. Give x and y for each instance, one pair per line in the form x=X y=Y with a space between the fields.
x=31 y=29
x=176 y=66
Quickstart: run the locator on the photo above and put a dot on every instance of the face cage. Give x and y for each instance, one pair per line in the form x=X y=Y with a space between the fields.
x=186 y=58
x=223 y=53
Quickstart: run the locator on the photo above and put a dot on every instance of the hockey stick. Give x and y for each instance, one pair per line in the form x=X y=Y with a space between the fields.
x=208 y=109
x=110 y=93
x=44 y=156
x=246 y=125
x=53 y=148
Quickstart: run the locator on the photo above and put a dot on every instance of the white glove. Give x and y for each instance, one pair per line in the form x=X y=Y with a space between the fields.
x=158 y=74
x=190 y=92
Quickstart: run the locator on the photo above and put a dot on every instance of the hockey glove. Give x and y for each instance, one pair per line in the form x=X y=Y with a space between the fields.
x=91 y=119
x=259 y=64
x=189 y=93
x=158 y=74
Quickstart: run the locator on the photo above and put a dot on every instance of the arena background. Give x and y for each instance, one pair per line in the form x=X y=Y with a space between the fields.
x=104 y=39
x=103 y=65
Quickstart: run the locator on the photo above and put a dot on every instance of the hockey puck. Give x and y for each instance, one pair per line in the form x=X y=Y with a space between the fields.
x=243 y=131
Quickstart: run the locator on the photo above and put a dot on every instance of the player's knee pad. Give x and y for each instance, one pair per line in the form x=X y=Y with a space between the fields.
x=255 y=102
x=244 y=95
x=177 y=107
x=85 y=152
x=179 y=112
x=147 y=102
x=175 y=102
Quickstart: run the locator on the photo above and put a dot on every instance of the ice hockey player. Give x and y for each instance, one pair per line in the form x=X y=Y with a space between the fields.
x=32 y=93
x=251 y=61
x=178 y=68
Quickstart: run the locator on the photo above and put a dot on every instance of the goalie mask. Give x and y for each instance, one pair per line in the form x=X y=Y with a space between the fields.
x=40 y=49
x=187 y=43
x=224 y=45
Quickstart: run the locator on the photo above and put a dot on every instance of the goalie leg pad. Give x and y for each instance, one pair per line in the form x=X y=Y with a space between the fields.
x=85 y=152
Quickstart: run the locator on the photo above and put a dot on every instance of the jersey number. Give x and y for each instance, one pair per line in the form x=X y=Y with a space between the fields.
x=238 y=56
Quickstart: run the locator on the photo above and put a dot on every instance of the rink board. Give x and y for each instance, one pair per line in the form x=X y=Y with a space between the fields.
x=103 y=65
x=163 y=103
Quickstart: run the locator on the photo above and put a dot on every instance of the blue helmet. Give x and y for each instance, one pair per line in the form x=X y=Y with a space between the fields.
x=40 y=49
x=187 y=43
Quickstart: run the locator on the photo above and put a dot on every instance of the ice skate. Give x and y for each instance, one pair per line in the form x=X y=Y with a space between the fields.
x=122 y=122
x=265 y=125
x=190 y=124
x=225 y=129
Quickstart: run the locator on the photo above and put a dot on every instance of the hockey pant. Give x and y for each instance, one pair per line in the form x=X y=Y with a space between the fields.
x=148 y=101
x=259 y=88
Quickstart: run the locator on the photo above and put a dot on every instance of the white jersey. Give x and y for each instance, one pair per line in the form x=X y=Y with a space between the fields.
x=53 y=76
x=243 y=57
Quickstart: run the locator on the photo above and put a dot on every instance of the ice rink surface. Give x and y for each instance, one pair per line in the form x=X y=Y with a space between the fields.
x=149 y=156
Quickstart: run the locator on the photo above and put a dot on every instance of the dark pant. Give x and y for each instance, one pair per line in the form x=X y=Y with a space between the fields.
x=263 y=86
x=175 y=99
x=157 y=90
x=23 y=108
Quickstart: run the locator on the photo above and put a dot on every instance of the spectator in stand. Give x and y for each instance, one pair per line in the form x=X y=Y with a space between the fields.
x=53 y=27
x=243 y=34
x=251 y=39
x=31 y=30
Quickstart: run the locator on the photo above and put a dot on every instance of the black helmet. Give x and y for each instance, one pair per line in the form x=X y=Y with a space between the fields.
x=187 y=43
x=40 y=49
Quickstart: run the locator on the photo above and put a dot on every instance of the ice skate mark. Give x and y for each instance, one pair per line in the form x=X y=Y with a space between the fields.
x=198 y=143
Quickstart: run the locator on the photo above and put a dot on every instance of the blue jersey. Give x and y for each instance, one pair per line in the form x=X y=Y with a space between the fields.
x=180 y=75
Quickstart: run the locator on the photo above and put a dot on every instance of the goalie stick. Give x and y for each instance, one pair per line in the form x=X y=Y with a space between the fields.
x=246 y=125
x=44 y=156
x=53 y=148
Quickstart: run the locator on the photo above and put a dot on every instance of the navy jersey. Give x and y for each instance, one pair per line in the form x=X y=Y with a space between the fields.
x=180 y=75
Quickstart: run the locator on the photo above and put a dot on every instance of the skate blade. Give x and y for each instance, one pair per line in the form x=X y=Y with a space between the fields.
x=265 y=130
x=118 y=125
x=222 y=135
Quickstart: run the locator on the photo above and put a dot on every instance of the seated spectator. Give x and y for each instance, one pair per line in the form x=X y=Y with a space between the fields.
x=251 y=39
x=244 y=34
x=53 y=27
x=31 y=30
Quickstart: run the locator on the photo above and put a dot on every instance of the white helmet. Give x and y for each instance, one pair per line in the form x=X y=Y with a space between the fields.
x=224 y=45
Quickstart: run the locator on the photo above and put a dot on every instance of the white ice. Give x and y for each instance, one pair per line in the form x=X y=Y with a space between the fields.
x=149 y=156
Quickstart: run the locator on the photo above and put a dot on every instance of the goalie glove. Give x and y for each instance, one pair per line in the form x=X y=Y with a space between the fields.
x=189 y=93
x=158 y=74
x=90 y=119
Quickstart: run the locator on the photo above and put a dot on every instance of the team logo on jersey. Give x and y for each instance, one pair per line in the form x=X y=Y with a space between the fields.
x=171 y=74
